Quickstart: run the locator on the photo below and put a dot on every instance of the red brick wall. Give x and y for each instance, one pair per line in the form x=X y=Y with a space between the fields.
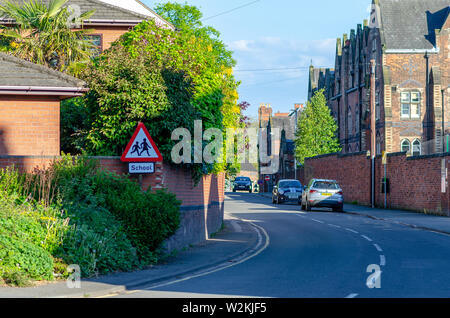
x=109 y=34
x=351 y=171
x=177 y=180
x=415 y=182
x=29 y=125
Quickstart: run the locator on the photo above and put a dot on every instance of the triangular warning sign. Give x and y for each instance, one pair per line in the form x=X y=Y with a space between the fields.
x=141 y=147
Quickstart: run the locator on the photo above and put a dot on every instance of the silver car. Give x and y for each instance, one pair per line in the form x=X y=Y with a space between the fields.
x=323 y=193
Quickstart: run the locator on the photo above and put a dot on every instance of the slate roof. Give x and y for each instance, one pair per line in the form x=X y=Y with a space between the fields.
x=109 y=12
x=20 y=73
x=410 y=24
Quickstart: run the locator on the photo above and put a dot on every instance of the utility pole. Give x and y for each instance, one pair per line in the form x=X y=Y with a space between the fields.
x=372 y=129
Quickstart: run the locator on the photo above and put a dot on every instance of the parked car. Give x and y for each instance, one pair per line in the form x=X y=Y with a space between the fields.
x=323 y=193
x=287 y=190
x=242 y=184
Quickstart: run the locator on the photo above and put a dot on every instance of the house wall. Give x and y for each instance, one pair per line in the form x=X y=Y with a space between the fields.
x=29 y=125
x=109 y=33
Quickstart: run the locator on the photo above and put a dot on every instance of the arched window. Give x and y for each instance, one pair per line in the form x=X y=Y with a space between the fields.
x=416 y=148
x=406 y=146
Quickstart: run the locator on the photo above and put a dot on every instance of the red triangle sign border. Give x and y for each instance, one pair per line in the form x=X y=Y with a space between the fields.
x=159 y=157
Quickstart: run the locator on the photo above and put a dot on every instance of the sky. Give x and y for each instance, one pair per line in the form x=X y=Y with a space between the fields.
x=267 y=34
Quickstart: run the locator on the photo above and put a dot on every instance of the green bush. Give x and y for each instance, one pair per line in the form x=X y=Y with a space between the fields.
x=18 y=255
x=148 y=218
x=75 y=213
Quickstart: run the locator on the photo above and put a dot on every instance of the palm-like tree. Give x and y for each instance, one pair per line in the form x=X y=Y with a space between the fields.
x=46 y=34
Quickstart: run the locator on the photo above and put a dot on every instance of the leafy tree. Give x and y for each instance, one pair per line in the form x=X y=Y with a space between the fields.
x=42 y=34
x=187 y=19
x=316 y=131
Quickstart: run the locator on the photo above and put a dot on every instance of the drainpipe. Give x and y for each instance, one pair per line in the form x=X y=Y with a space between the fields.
x=372 y=130
x=427 y=105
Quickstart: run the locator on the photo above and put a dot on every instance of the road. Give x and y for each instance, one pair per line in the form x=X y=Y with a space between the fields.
x=323 y=254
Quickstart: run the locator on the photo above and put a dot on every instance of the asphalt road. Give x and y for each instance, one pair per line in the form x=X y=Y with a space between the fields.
x=324 y=254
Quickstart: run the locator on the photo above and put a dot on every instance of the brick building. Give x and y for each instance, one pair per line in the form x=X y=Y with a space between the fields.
x=409 y=40
x=281 y=149
x=111 y=18
x=30 y=98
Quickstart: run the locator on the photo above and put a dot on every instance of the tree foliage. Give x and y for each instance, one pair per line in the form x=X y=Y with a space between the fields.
x=316 y=131
x=43 y=34
x=163 y=78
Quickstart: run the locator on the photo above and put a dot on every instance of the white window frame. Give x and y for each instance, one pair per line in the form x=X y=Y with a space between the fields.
x=409 y=103
x=409 y=145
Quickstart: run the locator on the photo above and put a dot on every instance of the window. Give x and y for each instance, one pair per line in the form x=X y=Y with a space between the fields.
x=410 y=105
x=96 y=40
x=326 y=185
x=416 y=148
x=406 y=146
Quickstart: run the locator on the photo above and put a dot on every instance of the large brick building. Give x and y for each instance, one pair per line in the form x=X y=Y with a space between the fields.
x=410 y=43
x=110 y=20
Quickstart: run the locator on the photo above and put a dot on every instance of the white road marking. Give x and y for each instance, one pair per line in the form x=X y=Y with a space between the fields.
x=352 y=296
x=222 y=267
x=367 y=238
x=318 y=221
x=353 y=231
x=333 y=225
x=382 y=260
x=378 y=247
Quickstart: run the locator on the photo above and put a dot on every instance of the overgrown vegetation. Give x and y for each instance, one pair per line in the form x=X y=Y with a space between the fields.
x=163 y=78
x=75 y=213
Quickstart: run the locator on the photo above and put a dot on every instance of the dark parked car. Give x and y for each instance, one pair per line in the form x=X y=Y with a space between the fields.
x=287 y=190
x=242 y=184
x=323 y=193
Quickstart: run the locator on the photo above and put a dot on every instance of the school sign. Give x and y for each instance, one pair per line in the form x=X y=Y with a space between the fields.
x=141 y=152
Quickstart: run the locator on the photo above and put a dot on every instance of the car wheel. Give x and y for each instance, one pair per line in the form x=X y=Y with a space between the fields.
x=234 y=190
x=250 y=191
x=303 y=206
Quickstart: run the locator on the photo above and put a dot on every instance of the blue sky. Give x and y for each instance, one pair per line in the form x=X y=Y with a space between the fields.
x=279 y=34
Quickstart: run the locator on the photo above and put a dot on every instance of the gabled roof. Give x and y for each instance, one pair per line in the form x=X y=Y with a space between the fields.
x=411 y=24
x=23 y=77
x=122 y=12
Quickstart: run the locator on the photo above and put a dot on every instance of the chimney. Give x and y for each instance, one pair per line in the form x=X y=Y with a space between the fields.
x=265 y=112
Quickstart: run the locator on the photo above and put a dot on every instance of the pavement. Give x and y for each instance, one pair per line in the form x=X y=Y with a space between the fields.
x=237 y=241
x=429 y=222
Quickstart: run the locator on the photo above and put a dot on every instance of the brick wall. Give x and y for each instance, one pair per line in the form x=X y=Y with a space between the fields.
x=109 y=34
x=202 y=206
x=29 y=125
x=415 y=182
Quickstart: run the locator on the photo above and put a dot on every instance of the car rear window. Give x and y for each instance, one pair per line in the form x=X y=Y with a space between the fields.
x=242 y=179
x=290 y=184
x=327 y=185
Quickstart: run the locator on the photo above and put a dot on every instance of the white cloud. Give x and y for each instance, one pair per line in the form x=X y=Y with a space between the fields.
x=240 y=45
